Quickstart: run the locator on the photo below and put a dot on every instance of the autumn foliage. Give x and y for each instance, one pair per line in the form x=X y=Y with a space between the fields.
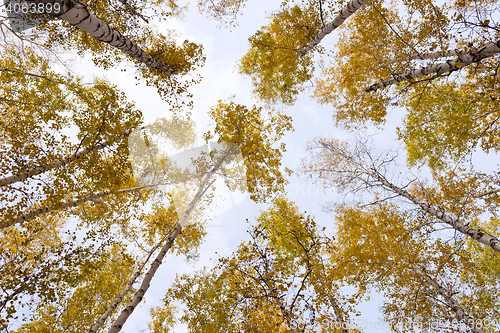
x=92 y=201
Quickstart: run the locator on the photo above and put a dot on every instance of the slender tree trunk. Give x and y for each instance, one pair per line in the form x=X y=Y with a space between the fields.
x=475 y=234
x=464 y=59
x=455 y=306
x=347 y=11
x=456 y=224
x=337 y=310
x=124 y=292
x=41 y=169
x=77 y=15
x=14 y=70
x=136 y=299
x=430 y=56
x=91 y=197
x=133 y=10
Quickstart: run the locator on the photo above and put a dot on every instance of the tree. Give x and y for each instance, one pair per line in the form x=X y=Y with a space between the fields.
x=455 y=201
x=36 y=151
x=77 y=15
x=76 y=176
x=46 y=174
x=48 y=177
x=377 y=44
x=278 y=60
x=364 y=63
x=96 y=287
x=464 y=59
x=158 y=60
x=450 y=111
x=41 y=166
x=428 y=283
x=402 y=250
x=35 y=263
x=250 y=130
x=133 y=202
x=252 y=135
x=279 y=281
x=119 y=21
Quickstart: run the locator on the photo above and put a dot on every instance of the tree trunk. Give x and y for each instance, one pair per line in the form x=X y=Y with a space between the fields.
x=41 y=169
x=91 y=197
x=136 y=299
x=77 y=15
x=337 y=310
x=464 y=59
x=124 y=292
x=475 y=234
x=430 y=56
x=455 y=306
x=456 y=224
x=347 y=11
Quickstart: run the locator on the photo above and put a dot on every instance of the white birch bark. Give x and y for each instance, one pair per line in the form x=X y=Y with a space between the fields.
x=452 y=302
x=91 y=197
x=475 y=234
x=430 y=56
x=351 y=8
x=57 y=164
x=456 y=224
x=338 y=314
x=136 y=299
x=464 y=59
x=77 y=15
x=124 y=292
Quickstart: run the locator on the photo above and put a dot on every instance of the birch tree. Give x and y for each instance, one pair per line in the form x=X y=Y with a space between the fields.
x=463 y=59
x=254 y=136
x=115 y=17
x=41 y=263
x=38 y=108
x=41 y=164
x=78 y=16
x=279 y=281
x=108 y=281
x=382 y=247
x=378 y=47
x=95 y=288
x=279 y=59
x=387 y=59
x=367 y=48
x=393 y=240
x=111 y=34
x=456 y=201
x=48 y=177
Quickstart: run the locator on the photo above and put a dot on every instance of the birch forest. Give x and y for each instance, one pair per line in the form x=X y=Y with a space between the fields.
x=125 y=126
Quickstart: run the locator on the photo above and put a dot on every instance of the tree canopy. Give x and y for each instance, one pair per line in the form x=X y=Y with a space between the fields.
x=95 y=197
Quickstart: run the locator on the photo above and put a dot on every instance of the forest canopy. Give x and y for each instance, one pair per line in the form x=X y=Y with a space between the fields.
x=99 y=192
